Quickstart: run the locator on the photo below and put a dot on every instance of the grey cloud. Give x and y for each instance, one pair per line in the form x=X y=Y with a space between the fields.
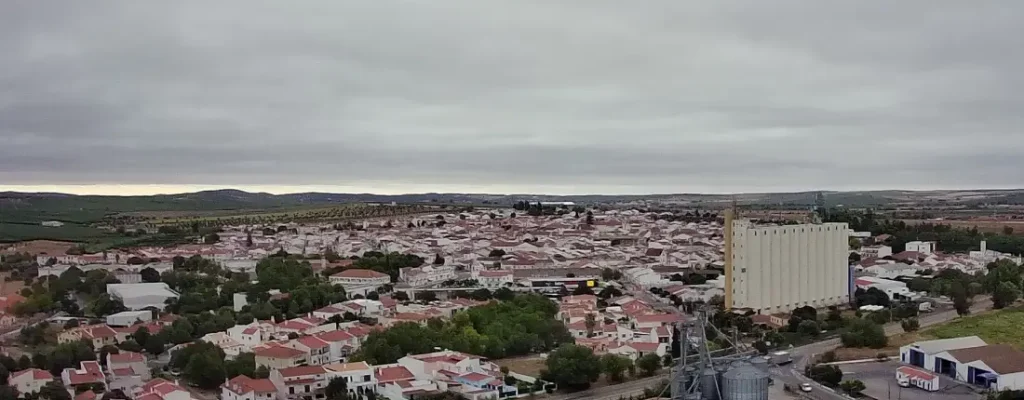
x=725 y=95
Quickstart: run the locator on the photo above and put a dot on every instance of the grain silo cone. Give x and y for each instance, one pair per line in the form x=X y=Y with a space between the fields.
x=745 y=382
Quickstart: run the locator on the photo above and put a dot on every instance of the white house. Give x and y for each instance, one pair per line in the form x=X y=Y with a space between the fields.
x=300 y=382
x=635 y=350
x=245 y=388
x=358 y=376
x=29 y=380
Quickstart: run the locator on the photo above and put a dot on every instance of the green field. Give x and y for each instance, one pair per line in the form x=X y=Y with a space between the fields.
x=999 y=327
x=11 y=232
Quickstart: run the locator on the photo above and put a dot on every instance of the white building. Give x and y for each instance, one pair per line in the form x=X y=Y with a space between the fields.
x=493 y=279
x=644 y=277
x=875 y=251
x=245 y=388
x=129 y=318
x=774 y=269
x=357 y=375
x=969 y=359
x=52 y=224
x=29 y=380
x=360 y=277
x=426 y=275
x=921 y=247
x=137 y=296
x=892 y=288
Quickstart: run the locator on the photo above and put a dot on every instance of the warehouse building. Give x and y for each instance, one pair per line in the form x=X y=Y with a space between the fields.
x=969 y=359
x=776 y=269
x=137 y=296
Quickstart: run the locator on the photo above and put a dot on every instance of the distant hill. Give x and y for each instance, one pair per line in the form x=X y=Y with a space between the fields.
x=31 y=208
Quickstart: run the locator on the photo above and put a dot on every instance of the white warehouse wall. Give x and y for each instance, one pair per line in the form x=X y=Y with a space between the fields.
x=779 y=268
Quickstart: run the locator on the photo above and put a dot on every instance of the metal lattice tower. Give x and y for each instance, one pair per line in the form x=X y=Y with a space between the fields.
x=690 y=376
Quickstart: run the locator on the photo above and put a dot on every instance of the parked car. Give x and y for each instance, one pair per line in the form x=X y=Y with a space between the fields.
x=805 y=387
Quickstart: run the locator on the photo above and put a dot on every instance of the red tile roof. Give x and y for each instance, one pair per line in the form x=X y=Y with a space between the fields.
x=127 y=357
x=476 y=377
x=302 y=371
x=37 y=374
x=335 y=336
x=86 y=395
x=89 y=373
x=916 y=373
x=243 y=384
x=312 y=342
x=276 y=351
x=645 y=347
x=393 y=374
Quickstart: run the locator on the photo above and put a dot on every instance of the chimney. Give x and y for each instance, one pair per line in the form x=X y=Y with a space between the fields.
x=984 y=247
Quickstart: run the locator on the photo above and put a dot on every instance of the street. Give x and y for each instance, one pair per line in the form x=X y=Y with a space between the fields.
x=793 y=374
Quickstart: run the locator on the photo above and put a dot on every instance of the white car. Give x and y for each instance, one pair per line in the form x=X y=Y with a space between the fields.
x=805 y=387
x=903 y=382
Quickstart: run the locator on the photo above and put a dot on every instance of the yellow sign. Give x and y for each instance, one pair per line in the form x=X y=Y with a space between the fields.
x=590 y=283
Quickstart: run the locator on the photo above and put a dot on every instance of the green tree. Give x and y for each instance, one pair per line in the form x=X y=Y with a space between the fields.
x=141 y=336
x=149 y=275
x=829 y=375
x=809 y=328
x=8 y=393
x=910 y=325
x=1006 y=294
x=262 y=372
x=958 y=292
x=336 y=389
x=573 y=367
x=155 y=345
x=853 y=388
x=649 y=364
x=243 y=364
x=54 y=390
x=864 y=333
x=105 y=305
x=504 y=294
x=614 y=367
x=4 y=374
x=205 y=370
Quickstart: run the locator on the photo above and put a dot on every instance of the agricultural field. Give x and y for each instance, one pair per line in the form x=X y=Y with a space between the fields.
x=989 y=226
x=299 y=214
x=13 y=232
x=38 y=246
x=999 y=327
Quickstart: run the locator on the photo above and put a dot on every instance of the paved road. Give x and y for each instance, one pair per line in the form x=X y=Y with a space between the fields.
x=801 y=355
x=790 y=374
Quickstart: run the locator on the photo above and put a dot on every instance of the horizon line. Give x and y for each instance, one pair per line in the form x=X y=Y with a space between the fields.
x=117 y=190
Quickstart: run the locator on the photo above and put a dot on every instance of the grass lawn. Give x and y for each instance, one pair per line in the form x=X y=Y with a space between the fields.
x=999 y=327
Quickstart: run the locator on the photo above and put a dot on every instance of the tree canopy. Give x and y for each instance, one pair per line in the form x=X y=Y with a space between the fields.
x=521 y=326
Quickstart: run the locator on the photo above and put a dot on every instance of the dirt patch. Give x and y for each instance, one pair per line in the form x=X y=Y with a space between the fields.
x=892 y=350
x=529 y=366
x=11 y=287
x=38 y=246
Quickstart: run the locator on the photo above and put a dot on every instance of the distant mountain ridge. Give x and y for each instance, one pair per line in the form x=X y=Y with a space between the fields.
x=227 y=199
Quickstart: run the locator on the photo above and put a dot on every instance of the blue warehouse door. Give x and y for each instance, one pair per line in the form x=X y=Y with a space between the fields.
x=916 y=358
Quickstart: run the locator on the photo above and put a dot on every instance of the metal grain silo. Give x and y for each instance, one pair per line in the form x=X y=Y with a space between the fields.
x=760 y=363
x=709 y=383
x=745 y=382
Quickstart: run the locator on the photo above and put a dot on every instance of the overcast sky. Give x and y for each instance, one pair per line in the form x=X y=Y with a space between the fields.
x=588 y=96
